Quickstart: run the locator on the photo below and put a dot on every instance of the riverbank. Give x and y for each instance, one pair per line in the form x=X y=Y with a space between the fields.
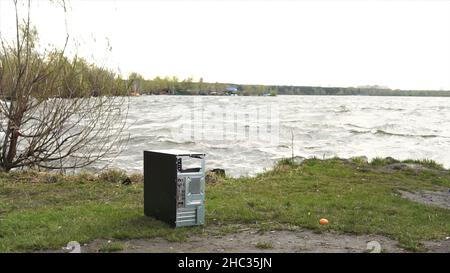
x=41 y=211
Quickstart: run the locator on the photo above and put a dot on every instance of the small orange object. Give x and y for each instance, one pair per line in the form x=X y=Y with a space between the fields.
x=323 y=221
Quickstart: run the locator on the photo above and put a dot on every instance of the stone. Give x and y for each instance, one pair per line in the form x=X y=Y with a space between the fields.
x=126 y=181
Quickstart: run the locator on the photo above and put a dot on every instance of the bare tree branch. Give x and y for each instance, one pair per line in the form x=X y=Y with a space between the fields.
x=56 y=112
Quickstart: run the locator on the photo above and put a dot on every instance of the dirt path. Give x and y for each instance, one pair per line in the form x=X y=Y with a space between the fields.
x=253 y=241
x=250 y=240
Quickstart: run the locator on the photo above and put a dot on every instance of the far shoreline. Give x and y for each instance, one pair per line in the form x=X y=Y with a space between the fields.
x=304 y=95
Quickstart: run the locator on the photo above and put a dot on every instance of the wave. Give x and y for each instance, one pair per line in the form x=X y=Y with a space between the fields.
x=356 y=126
x=284 y=146
x=310 y=147
x=173 y=141
x=386 y=133
x=391 y=109
x=342 y=109
x=382 y=109
x=216 y=146
x=353 y=131
x=382 y=132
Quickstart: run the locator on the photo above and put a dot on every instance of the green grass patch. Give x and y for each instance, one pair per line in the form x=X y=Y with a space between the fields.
x=264 y=245
x=429 y=163
x=380 y=162
x=286 y=161
x=354 y=201
x=111 y=247
x=38 y=212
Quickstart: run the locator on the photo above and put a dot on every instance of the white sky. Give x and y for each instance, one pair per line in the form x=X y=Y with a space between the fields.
x=399 y=44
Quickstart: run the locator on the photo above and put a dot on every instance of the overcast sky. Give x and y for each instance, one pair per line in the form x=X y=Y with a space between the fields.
x=399 y=44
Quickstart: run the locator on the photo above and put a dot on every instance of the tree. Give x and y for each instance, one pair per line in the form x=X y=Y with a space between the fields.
x=55 y=112
x=187 y=84
x=249 y=90
x=200 y=85
x=174 y=84
x=260 y=90
x=136 y=81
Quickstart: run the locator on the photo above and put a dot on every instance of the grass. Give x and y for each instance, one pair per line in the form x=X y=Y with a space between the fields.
x=111 y=247
x=286 y=162
x=381 y=162
x=36 y=215
x=353 y=200
x=264 y=245
x=429 y=163
x=44 y=211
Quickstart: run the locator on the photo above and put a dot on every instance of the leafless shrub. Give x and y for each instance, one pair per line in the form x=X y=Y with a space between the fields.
x=55 y=112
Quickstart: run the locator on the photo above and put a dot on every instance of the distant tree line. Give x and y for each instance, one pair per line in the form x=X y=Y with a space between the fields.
x=70 y=77
x=174 y=86
x=361 y=91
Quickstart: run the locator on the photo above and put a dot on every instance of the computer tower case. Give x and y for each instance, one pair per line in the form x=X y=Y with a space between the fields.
x=174 y=192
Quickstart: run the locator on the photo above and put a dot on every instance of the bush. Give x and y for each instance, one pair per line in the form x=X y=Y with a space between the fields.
x=264 y=245
x=378 y=161
x=426 y=163
x=113 y=176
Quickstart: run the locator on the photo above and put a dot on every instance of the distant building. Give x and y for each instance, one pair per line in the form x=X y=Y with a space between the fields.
x=373 y=87
x=231 y=91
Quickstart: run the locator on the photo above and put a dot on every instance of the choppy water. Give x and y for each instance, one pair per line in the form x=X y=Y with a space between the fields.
x=245 y=135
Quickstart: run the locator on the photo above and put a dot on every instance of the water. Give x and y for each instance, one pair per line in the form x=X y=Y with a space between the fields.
x=239 y=135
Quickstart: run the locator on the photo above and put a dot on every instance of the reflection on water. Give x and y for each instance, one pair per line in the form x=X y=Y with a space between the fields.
x=245 y=135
